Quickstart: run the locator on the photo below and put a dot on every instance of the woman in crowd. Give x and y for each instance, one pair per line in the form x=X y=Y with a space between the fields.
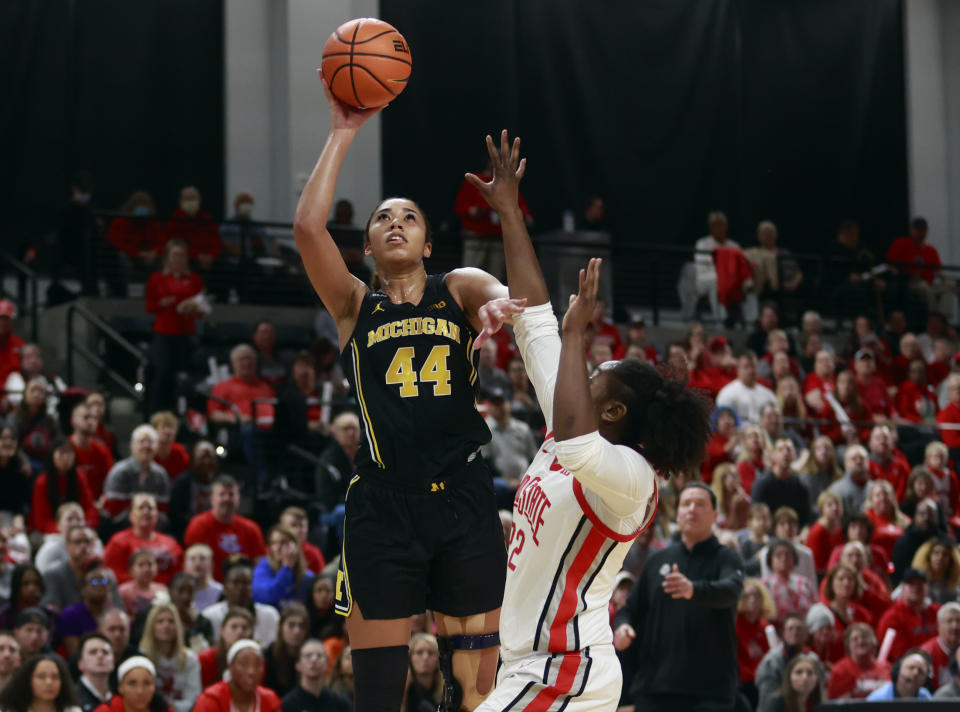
x=281 y=576
x=733 y=503
x=426 y=682
x=139 y=593
x=60 y=482
x=237 y=625
x=37 y=428
x=921 y=486
x=939 y=559
x=858 y=527
x=876 y=593
x=802 y=689
x=26 y=591
x=98 y=406
x=197 y=631
x=755 y=612
x=790 y=402
x=791 y=592
x=41 y=684
x=818 y=467
x=282 y=654
x=324 y=621
x=242 y=692
x=887 y=519
x=859 y=673
x=178 y=670
x=826 y=533
x=238 y=591
x=136 y=688
x=842 y=588
x=753 y=455
x=341 y=676
x=723 y=442
x=15 y=472
x=82 y=617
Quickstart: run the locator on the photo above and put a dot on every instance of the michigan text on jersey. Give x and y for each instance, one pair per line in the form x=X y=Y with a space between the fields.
x=413 y=327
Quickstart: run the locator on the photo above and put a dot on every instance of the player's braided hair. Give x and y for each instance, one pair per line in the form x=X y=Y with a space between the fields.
x=667 y=421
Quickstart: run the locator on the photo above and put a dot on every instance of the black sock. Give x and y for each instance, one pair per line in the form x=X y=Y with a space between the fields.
x=379 y=677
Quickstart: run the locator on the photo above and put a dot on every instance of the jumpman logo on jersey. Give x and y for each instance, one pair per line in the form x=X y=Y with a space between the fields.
x=377 y=308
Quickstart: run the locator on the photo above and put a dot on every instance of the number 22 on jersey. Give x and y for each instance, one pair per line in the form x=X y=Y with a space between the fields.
x=401 y=373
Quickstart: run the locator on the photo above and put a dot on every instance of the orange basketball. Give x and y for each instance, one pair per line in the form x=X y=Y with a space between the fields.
x=366 y=62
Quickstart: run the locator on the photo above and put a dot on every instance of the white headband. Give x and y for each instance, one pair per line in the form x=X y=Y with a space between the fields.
x=137 y=661
x=241 y=645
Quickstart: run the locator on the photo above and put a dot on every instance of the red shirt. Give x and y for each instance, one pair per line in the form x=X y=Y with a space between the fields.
x=609 y=334
x=915 y=402
x=715 y=455
x=913 y=628
x=108 y=438
x=940 y=675
x=116 y=705
x=240 y=536
x=710 y=379
x=747 y=470
x=873 y=395
x=132 y=236
x=482 y=223
x=175 y=463
x=10 y=356
x=896 y=471
x=209 y=673
x=94 y=462
x=848 y=678
x=752 y=645
x=950 y=414
x=43 y=519
x=925 y=256
x=937 y=372
x=200 y=233
x=813 y=382
x=117 y=552
x=822 y=542
x=241 y=394
x=836 y=648
x=885 y=533
x=181 y=287
x=315 y=560
x=217 y=698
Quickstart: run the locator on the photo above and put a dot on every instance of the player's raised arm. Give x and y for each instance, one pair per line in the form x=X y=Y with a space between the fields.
x=339 y=291
x=524 y=279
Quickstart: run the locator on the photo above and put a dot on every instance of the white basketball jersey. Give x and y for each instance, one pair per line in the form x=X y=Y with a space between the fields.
x=561 y=564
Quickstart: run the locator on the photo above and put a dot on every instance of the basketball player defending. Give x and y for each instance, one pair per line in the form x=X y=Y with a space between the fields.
x=590 y=490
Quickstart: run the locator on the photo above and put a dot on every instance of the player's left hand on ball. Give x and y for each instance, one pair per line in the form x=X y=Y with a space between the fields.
x=677 y=585
x=583 y=304
x=494 y=314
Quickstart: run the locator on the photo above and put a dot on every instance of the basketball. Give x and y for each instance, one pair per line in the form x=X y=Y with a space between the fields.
x=366 y=62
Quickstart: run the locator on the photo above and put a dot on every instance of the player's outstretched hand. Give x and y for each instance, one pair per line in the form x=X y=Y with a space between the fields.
x=344 y=116
x=584 y=302
x=494 y=314
x=502 y=193
x=624 y=636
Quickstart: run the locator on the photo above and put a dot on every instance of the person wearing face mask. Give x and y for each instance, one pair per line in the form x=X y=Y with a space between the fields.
x=243 y=240
x=196 y=228
x=137 y=233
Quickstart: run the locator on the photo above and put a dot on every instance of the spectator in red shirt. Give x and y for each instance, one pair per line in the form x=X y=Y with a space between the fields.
x=196 y=228
x=920 y=263
x=916 y=398
x=10 y=343
x=173 y=295
x=754 y=455
x=859 y=673
x=136 y=233
x=143 y=534
x=884 y=465
x=876 y=594
x=826 y=533
x=245 y=663
x=252 y=419
x=842 y=587
x=222 y=529
x=606 y=332
x=951 y=416
x=637 y=335
x=755 y=611
x=873 y=390
x=909 y=350
x=94 y=459
x=913 y=617
x=60 y=482
x=171 y=455
x=714 y=367
x=723 y=443
x=944 y=646
x=98 y=406
x=887 y=519
x=295 y=519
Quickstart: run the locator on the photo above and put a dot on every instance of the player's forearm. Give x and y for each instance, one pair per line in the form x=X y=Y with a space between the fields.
x=313 y=209
x=573 y=411
x=524 y=278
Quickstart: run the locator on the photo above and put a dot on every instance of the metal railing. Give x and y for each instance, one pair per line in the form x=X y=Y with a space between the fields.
x=25 y=296
x=103 y=331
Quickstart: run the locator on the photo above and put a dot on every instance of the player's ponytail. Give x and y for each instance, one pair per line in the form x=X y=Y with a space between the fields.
x=666 y=421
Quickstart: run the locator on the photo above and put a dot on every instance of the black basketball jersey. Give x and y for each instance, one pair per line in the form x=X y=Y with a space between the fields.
x=414 y=374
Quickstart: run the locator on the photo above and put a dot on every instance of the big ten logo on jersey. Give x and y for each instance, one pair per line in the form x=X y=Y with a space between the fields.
x=530 y=502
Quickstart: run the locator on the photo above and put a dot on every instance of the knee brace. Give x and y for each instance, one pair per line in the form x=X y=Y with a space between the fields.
x=448 y=645
x=380 y=675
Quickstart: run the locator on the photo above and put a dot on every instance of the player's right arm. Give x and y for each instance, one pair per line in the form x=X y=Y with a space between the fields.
x=340 y=292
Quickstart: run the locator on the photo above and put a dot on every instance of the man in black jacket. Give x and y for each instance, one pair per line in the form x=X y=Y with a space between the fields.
x=680 y=616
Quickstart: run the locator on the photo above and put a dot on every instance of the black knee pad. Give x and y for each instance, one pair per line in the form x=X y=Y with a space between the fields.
x=380 y=676
x=452 y=689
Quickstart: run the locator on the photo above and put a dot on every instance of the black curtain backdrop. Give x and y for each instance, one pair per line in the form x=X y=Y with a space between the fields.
x=130 y=91
x=791 y=111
